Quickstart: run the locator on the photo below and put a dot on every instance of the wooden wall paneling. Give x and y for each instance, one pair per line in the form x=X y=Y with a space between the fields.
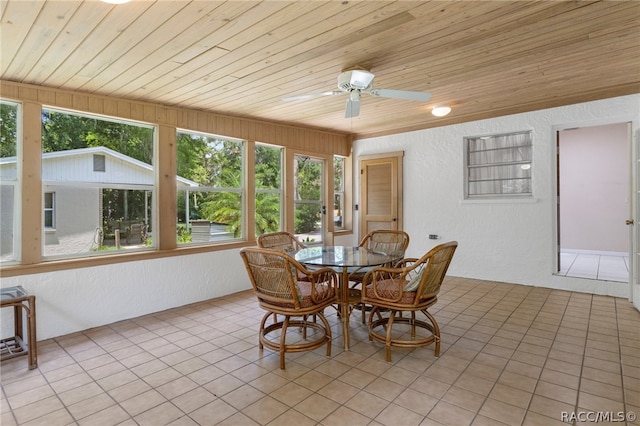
x=110 y=107
x=124 y=109
x=149 y=113
x=30 y=170
x=9 y=91
x=243 y=128
x=96 y=105
x=64 y=100
x=137 y=111
x=166 y=190
x=80 y=102
x=248 y=195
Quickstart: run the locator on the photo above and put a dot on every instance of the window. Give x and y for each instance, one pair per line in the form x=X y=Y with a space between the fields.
x=308 y=201
x=338 y=193
x=49 y=210
x=88 y=210
x=99 y=163
x=210 y=185
x=499 y=165
x=8 y=179
x=268 y=181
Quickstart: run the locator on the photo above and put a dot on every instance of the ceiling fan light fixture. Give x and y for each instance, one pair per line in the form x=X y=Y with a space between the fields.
x=361 y=79
x=441 y=110
x=355 y=80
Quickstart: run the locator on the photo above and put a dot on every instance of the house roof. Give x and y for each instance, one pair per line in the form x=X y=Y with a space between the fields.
x=142 y=171
x=483 y=58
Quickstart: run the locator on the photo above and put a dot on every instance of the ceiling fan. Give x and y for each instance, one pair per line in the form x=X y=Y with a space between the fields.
x=356 y=81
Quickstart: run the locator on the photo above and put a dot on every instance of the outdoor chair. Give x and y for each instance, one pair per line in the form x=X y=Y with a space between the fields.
x=136 y=230
x=412 y=286
x=289 y=301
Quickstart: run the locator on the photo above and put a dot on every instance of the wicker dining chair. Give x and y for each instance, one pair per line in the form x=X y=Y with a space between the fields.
x=384 y=240
x=282 y=240
x=289 y=302
x=412 y=286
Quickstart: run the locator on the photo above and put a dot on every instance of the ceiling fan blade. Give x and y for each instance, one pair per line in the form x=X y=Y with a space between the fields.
x=352 y=109
x=401 y=94
x=312 y=95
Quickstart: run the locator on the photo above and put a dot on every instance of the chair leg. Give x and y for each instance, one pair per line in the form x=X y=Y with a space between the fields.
x=304 y=327
x=413 y=323
x=374 y=310
x=387 y=343
x=436 y=332
x=328 y=331
x=261 y=331
x=283 y=340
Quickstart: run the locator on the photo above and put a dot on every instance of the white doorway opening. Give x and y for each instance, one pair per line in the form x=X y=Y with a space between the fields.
x=594 y=202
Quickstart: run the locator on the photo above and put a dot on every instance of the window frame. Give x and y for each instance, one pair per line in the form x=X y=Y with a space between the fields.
x=321 y=202
x=279 y=191
x=52 y=209
x=164 y=120
x=525 y=164
x=339 y=193
x=49 y=185
x=216 y=189
x=15 y=185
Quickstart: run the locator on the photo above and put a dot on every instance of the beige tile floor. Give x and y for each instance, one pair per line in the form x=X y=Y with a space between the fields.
x=511 y=355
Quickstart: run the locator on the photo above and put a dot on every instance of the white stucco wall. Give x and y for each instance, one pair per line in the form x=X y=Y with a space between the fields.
x=508 y=241
x=79 y=299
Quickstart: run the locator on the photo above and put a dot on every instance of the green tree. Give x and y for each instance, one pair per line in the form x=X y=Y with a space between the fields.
x=308 y=186
x=8 y=131
x=212 y=162
x=62 y=132
x=268 y=175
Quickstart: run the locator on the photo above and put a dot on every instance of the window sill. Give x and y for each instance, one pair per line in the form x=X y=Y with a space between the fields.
x=506 y=200
x=13 y=270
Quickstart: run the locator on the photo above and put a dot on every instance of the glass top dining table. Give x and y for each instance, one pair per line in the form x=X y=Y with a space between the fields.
x=348 y=260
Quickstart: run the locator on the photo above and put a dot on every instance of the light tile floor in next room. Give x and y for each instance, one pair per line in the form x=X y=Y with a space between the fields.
x=511 y=355
x=607 y=266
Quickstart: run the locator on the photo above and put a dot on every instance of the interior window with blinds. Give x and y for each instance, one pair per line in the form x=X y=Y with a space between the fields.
x=498 y=166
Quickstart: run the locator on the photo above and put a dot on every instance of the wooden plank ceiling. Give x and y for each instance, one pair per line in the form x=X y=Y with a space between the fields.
x=483 y=58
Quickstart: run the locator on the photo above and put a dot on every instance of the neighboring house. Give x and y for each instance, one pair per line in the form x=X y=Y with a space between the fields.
x=72 y=184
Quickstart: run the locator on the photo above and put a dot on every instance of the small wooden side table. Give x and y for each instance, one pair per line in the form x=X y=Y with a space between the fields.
x=15 y=346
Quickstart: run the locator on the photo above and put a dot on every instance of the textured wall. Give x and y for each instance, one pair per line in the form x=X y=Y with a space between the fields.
x=78 y=299
x=499 y=240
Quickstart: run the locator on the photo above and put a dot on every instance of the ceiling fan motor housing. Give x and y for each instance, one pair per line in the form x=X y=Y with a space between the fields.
x=355 y=80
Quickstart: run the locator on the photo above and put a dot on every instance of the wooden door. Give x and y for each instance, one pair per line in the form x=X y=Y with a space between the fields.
x=380 y=192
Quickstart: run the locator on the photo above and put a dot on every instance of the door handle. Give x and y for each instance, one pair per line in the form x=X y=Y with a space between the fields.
x=394 y=219
x=629 y=222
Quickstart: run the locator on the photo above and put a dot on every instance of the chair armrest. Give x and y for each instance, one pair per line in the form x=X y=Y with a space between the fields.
x=386 y=284
x=325 y=277
x=407 y=262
